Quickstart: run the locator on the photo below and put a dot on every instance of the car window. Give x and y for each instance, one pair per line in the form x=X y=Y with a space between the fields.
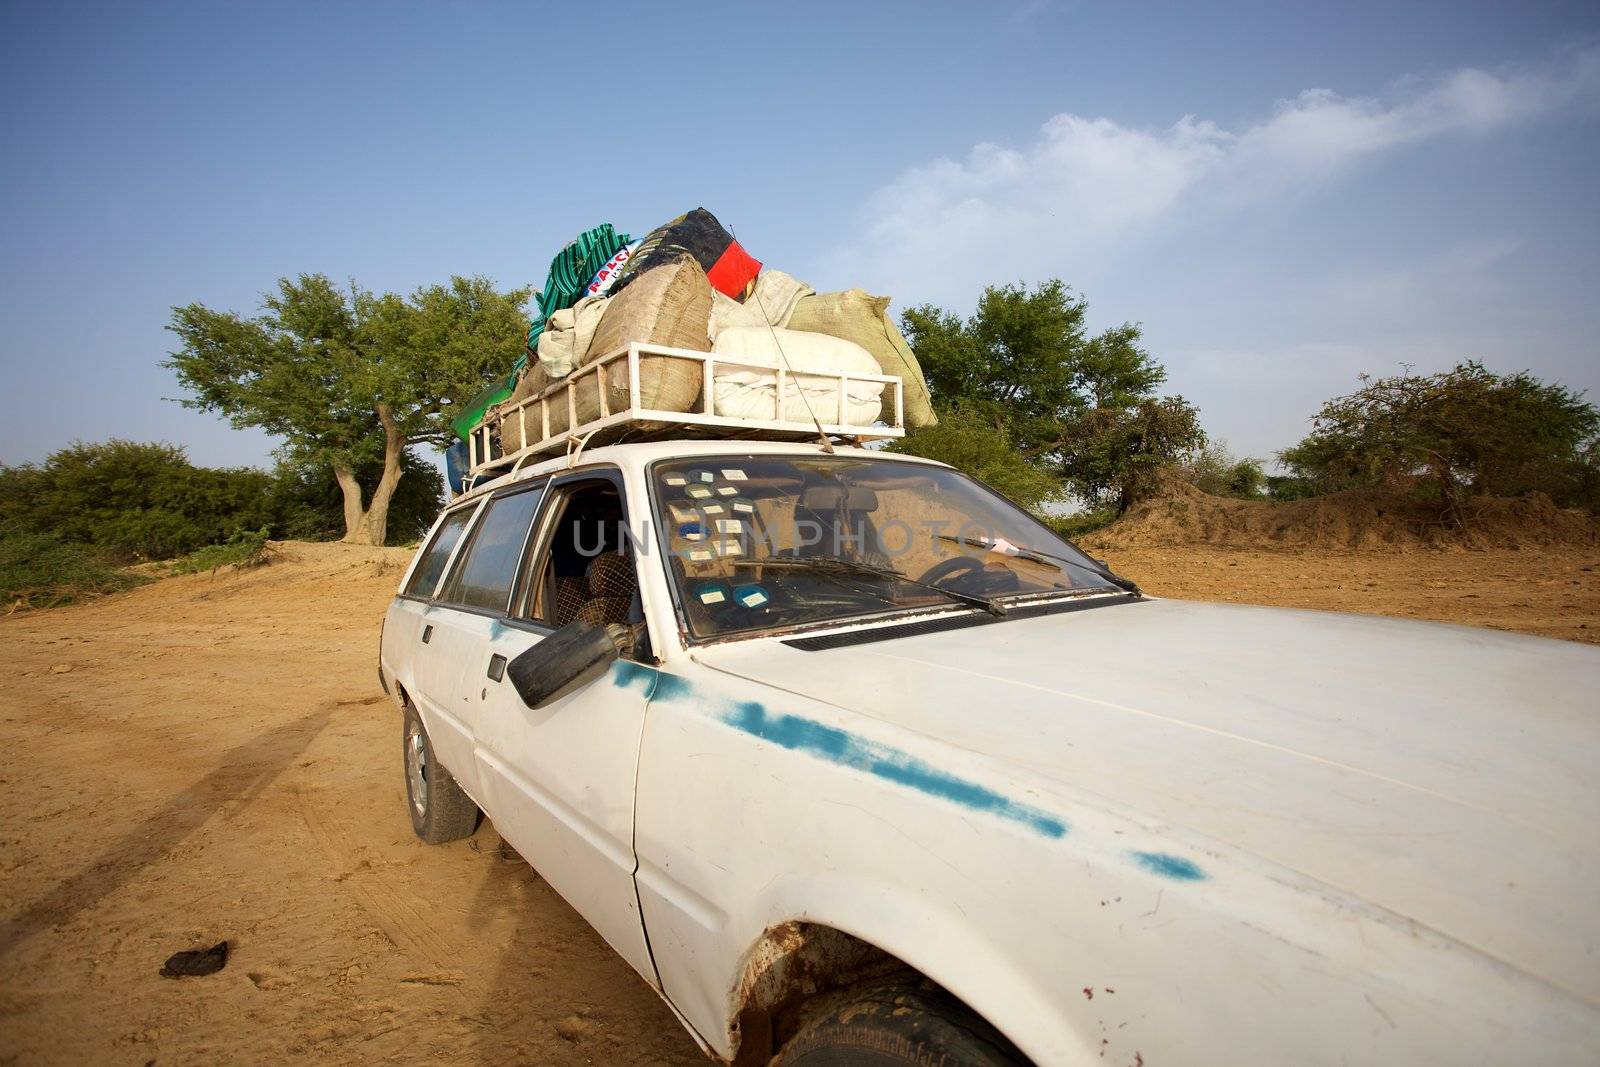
x=569 y=578
x=757 y=543
x=488 y=565
x=431 y=566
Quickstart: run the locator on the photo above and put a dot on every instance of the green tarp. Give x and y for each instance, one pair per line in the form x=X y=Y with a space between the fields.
x=472 y=414
x=570 y=273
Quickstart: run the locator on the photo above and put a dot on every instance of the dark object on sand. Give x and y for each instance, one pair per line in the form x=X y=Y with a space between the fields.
x=194 y=962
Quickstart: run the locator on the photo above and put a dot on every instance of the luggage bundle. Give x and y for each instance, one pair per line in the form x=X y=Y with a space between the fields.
x=689 y=284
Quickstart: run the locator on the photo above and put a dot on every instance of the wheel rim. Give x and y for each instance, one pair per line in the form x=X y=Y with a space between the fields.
x=417 y=768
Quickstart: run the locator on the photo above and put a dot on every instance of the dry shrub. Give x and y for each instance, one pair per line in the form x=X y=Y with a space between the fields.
x=1367 y=519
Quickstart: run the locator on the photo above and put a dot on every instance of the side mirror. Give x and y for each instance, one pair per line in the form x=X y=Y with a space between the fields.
x=573 y=656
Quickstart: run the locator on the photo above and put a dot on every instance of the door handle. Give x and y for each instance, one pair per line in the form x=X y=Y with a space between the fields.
x=427 y=632
x=497 y=667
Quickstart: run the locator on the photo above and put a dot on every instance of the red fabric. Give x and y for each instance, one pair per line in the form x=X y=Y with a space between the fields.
x=733 y=271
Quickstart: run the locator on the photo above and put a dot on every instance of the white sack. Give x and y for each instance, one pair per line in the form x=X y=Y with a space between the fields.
x=567 y=333
x=753 y=394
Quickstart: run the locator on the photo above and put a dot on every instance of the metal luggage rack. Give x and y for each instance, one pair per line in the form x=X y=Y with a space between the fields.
x=486 y=455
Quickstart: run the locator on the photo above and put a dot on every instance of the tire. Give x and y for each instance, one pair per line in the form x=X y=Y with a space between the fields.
x=440 y=810
x=897 y=1023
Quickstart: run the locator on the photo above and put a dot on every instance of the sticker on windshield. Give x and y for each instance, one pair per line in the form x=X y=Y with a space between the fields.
x=699 y=492
x=733 y=474
x=715 y=593
x=675 y=479
x=702 y=476
x=742 y=506
x=701 y=555
x=729 y=548
x=751 y=596
x=726 y=490
x=728 y=526
x=692 y=531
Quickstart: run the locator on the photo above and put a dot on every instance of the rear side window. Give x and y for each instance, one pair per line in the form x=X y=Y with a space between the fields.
x=489 y=565
x=431 y=566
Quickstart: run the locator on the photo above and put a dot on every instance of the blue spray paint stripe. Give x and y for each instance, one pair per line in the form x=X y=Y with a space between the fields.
x=654 y=684
x=626 y=674
x=1169 y=866
x=845 y=749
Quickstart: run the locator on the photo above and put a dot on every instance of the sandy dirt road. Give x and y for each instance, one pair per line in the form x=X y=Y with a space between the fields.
x=210 y=757
x=215 y=760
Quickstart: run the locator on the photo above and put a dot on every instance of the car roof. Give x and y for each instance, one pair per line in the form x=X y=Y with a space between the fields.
x=636 y=456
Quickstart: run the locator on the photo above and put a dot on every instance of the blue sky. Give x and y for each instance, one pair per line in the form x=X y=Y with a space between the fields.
x=1283 y=196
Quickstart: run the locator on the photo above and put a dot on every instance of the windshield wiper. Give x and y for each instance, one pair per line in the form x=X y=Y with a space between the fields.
x=1049 y=559
x=840 y=565
x=1032 y=555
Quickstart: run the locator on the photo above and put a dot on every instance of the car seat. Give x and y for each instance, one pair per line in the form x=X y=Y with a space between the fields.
x=611 y=582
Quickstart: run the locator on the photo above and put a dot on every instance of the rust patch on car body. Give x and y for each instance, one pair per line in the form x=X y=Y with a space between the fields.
x=794 y=963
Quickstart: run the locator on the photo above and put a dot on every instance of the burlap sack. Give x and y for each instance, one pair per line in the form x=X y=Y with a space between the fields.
x=857 y=316
x=532 y=383
x=668 y=305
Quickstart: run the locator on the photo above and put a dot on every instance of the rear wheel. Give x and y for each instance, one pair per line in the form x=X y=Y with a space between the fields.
x=897 y=1023
x=440 y=810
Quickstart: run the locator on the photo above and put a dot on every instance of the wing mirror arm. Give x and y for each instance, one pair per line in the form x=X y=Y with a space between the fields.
x=567 y=660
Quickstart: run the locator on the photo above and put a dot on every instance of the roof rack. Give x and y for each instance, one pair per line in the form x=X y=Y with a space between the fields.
x=635 y=422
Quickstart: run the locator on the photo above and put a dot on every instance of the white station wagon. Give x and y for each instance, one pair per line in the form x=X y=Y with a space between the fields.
x=856 y=762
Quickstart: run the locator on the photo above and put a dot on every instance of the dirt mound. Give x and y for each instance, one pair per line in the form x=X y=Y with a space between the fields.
x=314 y=568
x=1183 y=515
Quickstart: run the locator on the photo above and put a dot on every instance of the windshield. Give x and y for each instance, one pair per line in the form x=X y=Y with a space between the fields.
x=759 y=542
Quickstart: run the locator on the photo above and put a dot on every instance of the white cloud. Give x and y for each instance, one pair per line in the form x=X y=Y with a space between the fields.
x=1083 y=186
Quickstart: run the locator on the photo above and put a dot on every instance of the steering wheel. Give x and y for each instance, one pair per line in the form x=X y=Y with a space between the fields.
x=949 y=568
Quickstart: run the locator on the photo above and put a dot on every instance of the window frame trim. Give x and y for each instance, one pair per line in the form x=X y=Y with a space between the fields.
x=544 y=526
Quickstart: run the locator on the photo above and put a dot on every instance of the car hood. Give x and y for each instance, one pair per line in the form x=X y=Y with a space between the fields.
x=1446 y=774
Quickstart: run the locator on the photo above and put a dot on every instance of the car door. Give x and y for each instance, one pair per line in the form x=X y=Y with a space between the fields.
x=559 y=781
x=474 y=594
x=420 y=631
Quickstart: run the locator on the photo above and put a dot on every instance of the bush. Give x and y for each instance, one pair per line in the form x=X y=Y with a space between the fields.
x=132 y=500
x=37 y=570
x=244 y=549
x=1217 y=471
x=1081 y=524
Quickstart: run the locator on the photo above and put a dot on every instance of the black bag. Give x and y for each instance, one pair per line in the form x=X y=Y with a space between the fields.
x=729 y=268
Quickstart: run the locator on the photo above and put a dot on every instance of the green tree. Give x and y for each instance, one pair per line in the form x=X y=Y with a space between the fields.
x=1466 y=431
x=972 y=443
x=349 y=378
x=1081 y=408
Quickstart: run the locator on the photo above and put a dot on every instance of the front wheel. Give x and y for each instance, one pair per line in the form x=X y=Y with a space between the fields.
x=898 y=1023
x=440 y=810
